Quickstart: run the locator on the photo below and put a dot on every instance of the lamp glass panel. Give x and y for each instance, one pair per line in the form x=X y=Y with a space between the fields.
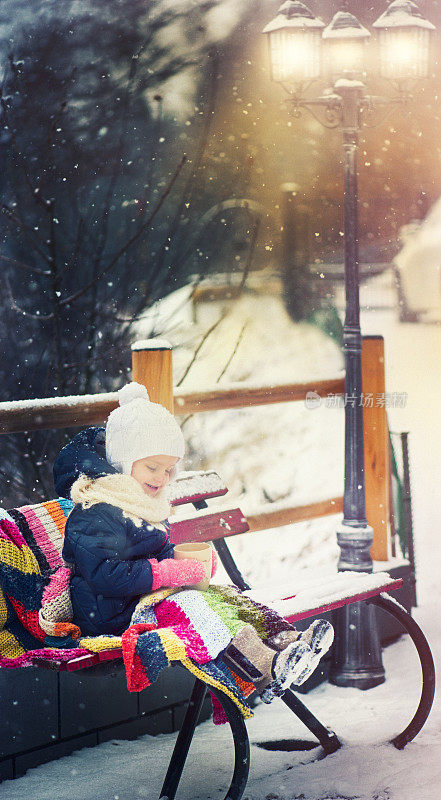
x=404 y=53
x=345 y=56
x=295 y=55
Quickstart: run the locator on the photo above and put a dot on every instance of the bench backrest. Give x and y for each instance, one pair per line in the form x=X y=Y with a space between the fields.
x=42 y=525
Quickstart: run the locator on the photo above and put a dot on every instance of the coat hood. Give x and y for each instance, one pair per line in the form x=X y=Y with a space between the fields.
x=84 y=455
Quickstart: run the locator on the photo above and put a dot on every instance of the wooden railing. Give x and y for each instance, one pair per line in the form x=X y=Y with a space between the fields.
x=81 y=410
x=152 y=366
x=238 y=396
x=56 y=412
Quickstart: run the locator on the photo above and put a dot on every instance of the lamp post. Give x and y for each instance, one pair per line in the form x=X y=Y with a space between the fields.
x=302 y=49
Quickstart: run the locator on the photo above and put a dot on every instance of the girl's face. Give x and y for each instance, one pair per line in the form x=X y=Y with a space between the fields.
x=153 y=472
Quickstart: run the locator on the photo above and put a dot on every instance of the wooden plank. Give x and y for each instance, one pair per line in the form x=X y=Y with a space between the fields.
x=152 y=366
x=243 y=397
x=346 y=601
x=79 y=662
x=209 y=526
x=83 y=410
x=56 y=412
x=98 y=658
x=286 y=516
x=232 y=522
x=376 y=445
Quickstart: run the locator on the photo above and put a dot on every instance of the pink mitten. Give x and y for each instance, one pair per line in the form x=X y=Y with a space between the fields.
x=173 y=573
x=213 y=562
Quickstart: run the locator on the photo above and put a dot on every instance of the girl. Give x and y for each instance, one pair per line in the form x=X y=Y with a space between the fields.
x=117 y=540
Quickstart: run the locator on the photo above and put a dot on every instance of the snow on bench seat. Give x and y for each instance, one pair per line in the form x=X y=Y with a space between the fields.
x=316 y=597
x=323 y=594
x=189 y=487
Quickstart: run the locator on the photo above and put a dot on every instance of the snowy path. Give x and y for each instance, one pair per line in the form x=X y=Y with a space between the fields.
x=365 y=769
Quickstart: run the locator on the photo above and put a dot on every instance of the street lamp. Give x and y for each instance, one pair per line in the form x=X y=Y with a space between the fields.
x=294 y=39
x=404 y=39
x=301 y=50
x=344 y=41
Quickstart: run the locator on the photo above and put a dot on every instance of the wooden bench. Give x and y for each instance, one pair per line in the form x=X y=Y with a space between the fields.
x=342 y=589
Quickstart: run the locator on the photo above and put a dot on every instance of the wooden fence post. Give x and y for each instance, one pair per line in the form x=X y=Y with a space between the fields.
x=376 y=445
x=152 y=366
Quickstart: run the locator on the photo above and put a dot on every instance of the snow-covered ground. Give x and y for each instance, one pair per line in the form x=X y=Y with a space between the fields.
x=419 y=264
x=367 y=767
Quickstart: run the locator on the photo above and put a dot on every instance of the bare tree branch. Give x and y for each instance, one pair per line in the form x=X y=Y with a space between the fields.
x=197 y=351
x=35 y=191
x=15 y=307
x=75 y=251
x=12 y=216
x=133 y=239
x=56 y=120
x=184 y=421
x=22 y=265
x=38 y=362
x=235 y=349
x=55 y=301
x=187 y=193
x=13 y=479
x=249 y=260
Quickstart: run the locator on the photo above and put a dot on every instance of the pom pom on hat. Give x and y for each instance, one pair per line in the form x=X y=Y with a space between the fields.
x=138 y=429
x=132 y=391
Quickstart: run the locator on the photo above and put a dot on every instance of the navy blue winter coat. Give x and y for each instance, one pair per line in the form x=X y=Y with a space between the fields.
x=111 y=555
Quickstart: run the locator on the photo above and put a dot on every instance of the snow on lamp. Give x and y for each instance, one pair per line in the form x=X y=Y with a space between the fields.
x=345 y=42
x=404 y=40
x=294 y=38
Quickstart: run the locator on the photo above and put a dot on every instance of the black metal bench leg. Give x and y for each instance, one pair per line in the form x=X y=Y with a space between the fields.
x=183 y=742
x=241 y=746
x=427 y=668
x=328 y=739
x=229 y=565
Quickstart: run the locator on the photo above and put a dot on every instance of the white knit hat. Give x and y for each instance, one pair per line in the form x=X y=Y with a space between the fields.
x=139 y=428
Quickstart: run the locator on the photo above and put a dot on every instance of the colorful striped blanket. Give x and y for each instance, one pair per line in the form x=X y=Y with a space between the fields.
x=168 y=625
x=35 y=608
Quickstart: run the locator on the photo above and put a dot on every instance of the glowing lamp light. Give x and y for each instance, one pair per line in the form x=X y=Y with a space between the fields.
x=345 y=41
x=294 y=38
x=404 y=39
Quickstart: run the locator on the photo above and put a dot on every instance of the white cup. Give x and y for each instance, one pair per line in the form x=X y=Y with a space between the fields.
x=200 y=551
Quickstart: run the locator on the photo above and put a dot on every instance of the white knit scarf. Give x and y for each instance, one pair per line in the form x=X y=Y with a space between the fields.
x=125 y=493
